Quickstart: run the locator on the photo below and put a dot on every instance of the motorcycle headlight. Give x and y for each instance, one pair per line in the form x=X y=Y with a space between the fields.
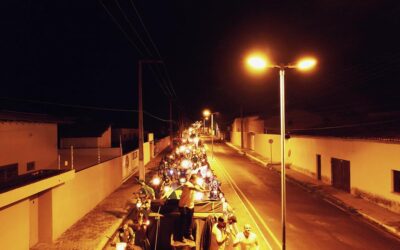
x=156 y=181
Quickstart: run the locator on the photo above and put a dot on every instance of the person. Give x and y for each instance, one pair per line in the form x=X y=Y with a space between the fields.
x=125 y=234
x=247 y=240
x=219 y=235
x=186 y=207
x=232 y=222
x=147 y=190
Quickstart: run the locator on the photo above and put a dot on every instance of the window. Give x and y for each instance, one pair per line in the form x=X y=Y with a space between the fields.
x=8 y=172
x=396 y=181
x=30 y=166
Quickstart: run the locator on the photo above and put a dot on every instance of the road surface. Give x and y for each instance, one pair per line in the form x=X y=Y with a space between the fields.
x=311 y=222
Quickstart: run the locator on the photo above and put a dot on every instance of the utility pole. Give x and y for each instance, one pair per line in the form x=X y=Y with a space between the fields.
x=212 y=136
x=140 y=132
x=140 y=135
x=171 y=134
x=241 y=127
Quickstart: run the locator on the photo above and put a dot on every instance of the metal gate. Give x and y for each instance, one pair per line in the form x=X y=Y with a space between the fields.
x=319 y=167
x=341 y=174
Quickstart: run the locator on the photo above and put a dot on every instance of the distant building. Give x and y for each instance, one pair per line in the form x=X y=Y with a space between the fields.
x=28 y=142
x=361 y=158
x=296 y=120
x=86 y=144
x=250 y=124
x=123 y=135
x=85 y=135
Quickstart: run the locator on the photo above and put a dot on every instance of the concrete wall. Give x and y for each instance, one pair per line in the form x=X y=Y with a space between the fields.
x=14 y=226
x=86 y=157
x=105 y=140
x=162 y=144
x=74 y=199
x=83 y=142
x=26 y=142
x=371 y=162
x=45 y=215
x=250 y=124
x=130 y=164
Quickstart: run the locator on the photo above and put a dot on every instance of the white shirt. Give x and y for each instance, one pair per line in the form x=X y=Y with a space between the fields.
x=249 y=243
x=217 y=235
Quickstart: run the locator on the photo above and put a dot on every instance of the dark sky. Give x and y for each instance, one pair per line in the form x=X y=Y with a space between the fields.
x=73 y=53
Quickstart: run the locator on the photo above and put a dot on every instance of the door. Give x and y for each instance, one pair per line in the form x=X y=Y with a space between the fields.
x=252 y=145
x=341 y=174
x=319 y=167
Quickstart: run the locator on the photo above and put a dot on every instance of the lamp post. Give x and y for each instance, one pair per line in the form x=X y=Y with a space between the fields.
x=140 y=135
x=257 y=63
x=206 y=114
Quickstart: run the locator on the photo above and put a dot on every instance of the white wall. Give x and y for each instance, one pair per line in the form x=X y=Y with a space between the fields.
x=86 y=157
x=25 y=142
x=44 y=216
x=74 y=199
x=371 y=162
x=83 y=142
x=14 y=226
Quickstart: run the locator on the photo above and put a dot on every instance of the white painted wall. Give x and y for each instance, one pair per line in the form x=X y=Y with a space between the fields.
x=22 y=142
x=45 y=216
x=371 y=162
x=14 y=226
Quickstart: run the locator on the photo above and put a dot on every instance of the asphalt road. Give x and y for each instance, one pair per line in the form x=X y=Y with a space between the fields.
x=311 y=223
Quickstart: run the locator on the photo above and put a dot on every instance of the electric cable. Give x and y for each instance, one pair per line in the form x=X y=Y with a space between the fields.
x=120 y=28
x=89 y=107
x=154 y=46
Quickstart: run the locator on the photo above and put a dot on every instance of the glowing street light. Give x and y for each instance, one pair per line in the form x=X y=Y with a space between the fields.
x=306 y=64
x=207 y=113
x=258 y=63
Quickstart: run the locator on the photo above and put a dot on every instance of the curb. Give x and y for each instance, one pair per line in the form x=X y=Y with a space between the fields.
x=108 y=234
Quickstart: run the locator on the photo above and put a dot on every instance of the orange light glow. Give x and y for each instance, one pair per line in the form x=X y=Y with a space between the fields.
x=206 y=113
x=257 y=62
x=306 y=63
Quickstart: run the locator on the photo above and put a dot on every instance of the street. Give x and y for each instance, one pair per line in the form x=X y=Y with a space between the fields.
x=312 y=223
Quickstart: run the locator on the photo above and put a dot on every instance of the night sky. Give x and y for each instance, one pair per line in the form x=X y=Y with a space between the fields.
x=71 y=58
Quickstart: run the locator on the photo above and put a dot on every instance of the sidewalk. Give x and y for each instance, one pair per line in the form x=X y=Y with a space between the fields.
x=373 y=213
x=93 y=231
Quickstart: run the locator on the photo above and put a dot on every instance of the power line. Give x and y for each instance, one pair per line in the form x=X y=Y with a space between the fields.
x=154 y=46
x=88 y=107
x=164 y=89
x=120 y=28
x=132 y=27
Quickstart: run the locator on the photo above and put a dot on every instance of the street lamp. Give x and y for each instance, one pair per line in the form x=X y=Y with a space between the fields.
x=206 y=114
x=140 y=135
x=257 y=63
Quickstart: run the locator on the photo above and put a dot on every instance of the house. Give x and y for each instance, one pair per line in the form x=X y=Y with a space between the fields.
x=347 y=159
x=86 y=135
x=28 y=142
x=85 y=144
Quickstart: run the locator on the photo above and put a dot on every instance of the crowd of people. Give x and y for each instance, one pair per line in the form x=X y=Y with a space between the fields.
x=185 y=174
